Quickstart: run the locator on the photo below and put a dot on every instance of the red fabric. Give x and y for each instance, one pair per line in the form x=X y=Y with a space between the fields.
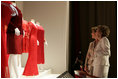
x=40 y=48
x=31 y=65
x=14 y=42
x=5 y=18
x=26 y=36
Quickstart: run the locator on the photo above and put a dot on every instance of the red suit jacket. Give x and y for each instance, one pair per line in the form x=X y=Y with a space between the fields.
x=26 y=36
x=40 y=48
x=14 y=42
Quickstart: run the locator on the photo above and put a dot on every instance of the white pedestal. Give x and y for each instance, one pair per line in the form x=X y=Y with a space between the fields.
x=42 y=74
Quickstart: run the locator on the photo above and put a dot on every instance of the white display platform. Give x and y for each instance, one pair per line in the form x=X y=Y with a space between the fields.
x=42 y=74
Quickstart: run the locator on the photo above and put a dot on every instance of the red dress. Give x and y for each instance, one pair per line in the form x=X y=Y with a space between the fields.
x=40 y=48
x=31 y=65
x=26 y=36
x=14 y=42
x=5 y=18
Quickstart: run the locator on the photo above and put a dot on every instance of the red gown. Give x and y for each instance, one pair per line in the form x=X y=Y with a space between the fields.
x=31 y=65
x=14 y=42
x=26 y=36
x=40 y=48
x=5 y=18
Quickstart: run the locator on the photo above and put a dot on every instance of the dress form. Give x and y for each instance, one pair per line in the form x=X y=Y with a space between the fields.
x=46 y=43
x=15 y=58
x=40 y=51
x=40 y=67
x=31 y=65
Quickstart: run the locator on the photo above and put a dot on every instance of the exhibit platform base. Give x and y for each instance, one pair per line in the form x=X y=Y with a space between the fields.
x=42 y=74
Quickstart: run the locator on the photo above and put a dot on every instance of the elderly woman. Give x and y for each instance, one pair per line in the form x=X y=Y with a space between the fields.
x=102 y=52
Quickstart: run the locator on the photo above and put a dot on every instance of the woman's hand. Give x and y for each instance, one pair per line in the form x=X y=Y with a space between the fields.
x=86 y=69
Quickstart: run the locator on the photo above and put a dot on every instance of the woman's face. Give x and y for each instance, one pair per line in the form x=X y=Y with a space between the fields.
x=98 y=33
x=93 y=34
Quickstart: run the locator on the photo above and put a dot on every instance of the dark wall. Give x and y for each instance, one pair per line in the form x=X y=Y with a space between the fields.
x=84 y=15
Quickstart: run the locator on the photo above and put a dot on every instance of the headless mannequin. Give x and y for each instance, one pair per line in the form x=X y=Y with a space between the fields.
x=40 y=66
x=46 y=43
x=14 y=61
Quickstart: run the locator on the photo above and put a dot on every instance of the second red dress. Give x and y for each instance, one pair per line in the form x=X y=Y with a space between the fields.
x=31 y=65
x=40 y=48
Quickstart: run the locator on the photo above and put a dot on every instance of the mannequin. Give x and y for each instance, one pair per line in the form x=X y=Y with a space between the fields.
x=46 y=43
x=14 y=42
x=31 y=65
x=40 y=46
